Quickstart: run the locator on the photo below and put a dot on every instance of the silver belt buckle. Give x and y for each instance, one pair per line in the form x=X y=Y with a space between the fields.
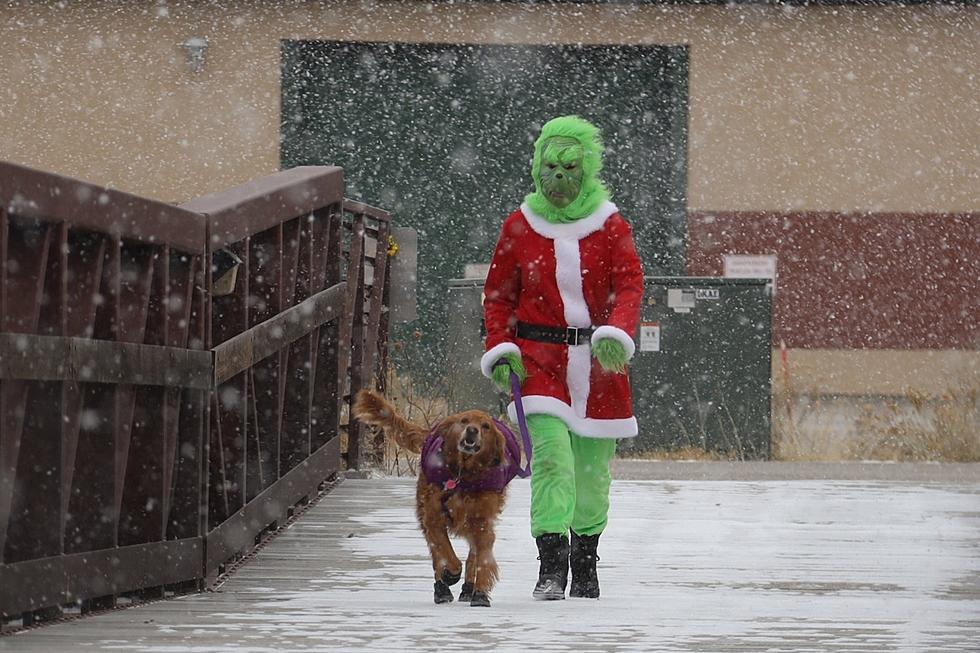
x=572 y=336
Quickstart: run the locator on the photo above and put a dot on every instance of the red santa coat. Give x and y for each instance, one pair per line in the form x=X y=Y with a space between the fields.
x=580 y=274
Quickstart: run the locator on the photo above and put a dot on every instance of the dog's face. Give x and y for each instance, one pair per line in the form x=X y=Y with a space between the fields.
x=471 y=441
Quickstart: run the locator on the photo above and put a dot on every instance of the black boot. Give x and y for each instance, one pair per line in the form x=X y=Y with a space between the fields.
x=441 y=592
x=553 y=573
x=585 y=580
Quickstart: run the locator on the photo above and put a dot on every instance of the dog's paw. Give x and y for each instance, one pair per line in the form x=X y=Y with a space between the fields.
x=480 y=600
x=466 y=593
x=441 y=593
x=449 y=578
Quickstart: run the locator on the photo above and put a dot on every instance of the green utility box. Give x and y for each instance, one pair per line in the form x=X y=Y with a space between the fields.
x=701 y=375
x=466 y=386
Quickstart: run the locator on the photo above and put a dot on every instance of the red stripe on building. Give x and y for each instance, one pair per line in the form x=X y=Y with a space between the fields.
x=856 y=281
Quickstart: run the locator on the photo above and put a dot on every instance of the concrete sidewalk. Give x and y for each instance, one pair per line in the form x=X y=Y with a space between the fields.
x=687 y=565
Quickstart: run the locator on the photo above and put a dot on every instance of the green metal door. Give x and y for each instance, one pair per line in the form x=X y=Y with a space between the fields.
x=701 y=375
x=442 y=135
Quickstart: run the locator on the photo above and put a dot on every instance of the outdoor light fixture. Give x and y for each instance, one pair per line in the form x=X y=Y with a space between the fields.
x=224 y=272
x=194 y=49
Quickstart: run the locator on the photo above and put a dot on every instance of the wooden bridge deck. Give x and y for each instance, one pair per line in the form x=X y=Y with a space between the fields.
x=814 y=564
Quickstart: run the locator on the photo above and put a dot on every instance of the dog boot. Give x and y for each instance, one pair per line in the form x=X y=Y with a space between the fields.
x=582 y=559
x=442 y=593
x=480 y=600
x=553 y=571
x=467 y=594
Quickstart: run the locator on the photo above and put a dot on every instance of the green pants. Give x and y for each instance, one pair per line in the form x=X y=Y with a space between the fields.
x=569 y=478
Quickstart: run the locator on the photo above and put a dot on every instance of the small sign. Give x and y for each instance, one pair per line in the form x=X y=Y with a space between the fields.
x=682 y=300
x=649 y=336
x=706 y=293
x=751 y=266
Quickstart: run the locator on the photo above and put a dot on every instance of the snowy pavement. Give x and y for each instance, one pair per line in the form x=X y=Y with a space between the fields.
x=687 y=565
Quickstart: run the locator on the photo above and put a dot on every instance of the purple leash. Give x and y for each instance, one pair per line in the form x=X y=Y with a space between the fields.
x=515 y=387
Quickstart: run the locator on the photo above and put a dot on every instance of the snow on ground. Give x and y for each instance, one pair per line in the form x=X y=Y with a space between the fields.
x=686 y=566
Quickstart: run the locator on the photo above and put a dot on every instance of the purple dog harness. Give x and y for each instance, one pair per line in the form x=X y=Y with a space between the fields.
x=494 y=479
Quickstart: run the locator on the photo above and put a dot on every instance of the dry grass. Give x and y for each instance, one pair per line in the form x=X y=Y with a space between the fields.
x=423 y=407
x=685 y=454
x=914 y=427
x=943 y=429
x=420 y=408
x=797 y=433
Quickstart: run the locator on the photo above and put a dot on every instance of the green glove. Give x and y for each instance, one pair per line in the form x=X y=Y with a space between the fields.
x=501 y=372
x=611 y=354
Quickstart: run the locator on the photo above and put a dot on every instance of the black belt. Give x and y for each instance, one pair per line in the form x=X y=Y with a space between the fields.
x=554 y=335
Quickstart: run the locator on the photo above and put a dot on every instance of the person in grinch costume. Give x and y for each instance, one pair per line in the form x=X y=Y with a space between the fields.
x=562 y=302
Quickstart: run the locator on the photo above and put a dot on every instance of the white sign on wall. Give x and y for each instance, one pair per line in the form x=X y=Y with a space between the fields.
x=649 y=336
x=751 y=266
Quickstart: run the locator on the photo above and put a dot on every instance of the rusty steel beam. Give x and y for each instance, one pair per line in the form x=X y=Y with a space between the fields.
x=383 y=331
x=236 y=535
x=373 y=336
x=359 y=208
x=58 y=580
x=354 y=335
x=327 y=373
x=13 y=395
x=49 y=197
x=380 y=274
x=240 y=352
x=266 y=274
x=259 y=205
x=298 y=361
x=54 y=358
x=4 y=226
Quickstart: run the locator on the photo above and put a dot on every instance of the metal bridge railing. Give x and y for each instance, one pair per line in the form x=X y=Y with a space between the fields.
x=173 y=380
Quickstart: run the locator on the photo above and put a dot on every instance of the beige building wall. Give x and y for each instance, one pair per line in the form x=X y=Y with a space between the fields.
x=790 y=108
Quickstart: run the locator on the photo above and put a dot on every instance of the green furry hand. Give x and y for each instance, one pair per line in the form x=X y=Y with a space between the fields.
x=611 y=355
x=501 y=372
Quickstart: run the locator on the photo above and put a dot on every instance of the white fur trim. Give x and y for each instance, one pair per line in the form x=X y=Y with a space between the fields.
x=585 y=426
x=568 y=278
x=569 y=230
x=577 y=377
x=493 y=355
x=616 y=334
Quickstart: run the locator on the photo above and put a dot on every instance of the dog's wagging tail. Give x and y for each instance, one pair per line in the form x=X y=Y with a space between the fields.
x=371 y=408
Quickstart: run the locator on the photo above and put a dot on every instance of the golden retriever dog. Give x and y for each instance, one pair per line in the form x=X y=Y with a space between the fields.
x=466 y=462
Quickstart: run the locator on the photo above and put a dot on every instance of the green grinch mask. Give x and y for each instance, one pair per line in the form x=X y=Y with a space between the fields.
x=561 y=170
x=567 y=160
